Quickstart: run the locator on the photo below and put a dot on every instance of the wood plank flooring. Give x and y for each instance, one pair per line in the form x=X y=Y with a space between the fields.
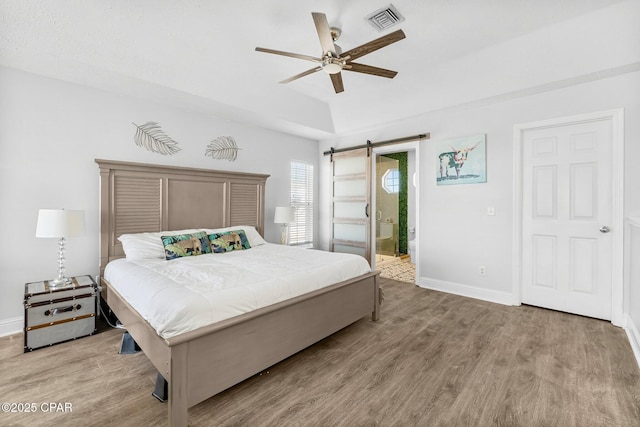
x=433 y=359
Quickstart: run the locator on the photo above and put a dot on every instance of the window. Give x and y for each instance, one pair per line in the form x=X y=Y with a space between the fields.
x=391 y=181
x=301 y=231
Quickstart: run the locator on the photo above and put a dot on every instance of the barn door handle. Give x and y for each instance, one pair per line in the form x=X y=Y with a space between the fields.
x=366 y=210
x=604 y=229
x=59 y=310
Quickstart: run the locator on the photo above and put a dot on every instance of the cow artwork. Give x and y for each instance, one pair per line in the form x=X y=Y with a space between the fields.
x=453 y=159
x=454 y=154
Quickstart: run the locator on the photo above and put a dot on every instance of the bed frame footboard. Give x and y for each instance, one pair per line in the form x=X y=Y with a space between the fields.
x=201 y=363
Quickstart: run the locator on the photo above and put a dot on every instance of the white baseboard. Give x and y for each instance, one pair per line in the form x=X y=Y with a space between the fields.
x=11 y=326
x=505 y=298
x=634 y=338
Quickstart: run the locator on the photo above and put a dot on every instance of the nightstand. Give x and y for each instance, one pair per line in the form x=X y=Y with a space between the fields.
x=56 y=314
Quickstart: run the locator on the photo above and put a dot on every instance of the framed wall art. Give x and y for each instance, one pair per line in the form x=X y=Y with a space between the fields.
x=461 y=160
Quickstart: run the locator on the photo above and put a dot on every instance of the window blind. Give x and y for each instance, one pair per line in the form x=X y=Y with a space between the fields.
x=301 y=231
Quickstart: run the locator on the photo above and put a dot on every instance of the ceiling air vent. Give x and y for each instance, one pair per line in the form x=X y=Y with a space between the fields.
x=385 y=18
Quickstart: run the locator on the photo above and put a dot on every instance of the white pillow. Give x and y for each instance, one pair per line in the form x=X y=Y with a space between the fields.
x=255 y=239
x=147 y=245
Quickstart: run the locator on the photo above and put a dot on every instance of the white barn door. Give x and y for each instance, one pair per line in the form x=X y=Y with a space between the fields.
x=567 y=213
x=351 y=202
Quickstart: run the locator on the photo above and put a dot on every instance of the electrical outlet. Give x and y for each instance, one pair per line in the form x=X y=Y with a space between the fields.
x=482 y=270
x=491 y=211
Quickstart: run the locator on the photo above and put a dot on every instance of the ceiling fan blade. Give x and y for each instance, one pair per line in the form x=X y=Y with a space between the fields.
x=368 y=69
x=336 y=79
x=374 y=45
x=324 y=32
x=292 y=55
x=305 y=73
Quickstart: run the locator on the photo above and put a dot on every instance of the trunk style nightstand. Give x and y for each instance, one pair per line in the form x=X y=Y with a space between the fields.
x=56 y=314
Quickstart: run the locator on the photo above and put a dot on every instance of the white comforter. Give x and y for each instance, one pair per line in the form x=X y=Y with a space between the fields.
x=186 y=293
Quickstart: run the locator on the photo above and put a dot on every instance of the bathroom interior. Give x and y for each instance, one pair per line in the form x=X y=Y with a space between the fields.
x=395 y=215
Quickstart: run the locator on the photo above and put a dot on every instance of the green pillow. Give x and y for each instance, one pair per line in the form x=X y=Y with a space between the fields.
x=228 y=241
x=182 y=245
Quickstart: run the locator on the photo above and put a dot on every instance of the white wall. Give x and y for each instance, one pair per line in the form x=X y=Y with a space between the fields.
x=411 y=194
x=632 y=278
x=455 y=234
x=50 y=134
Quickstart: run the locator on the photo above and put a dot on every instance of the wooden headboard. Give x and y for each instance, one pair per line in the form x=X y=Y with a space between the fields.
x=136 y=198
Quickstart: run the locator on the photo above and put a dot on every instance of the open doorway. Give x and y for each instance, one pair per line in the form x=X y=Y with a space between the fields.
x=390 y=185
x=394 y=219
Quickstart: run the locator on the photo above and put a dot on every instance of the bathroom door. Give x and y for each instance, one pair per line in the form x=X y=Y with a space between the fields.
x=351 y=203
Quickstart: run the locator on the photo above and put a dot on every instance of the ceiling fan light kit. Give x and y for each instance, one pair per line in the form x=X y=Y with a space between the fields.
x=331 y=65
x=333 y=61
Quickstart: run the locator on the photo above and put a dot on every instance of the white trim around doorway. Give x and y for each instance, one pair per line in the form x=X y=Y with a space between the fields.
x=396 y=148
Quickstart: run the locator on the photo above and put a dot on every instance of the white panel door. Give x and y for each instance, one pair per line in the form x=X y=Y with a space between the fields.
x=567 y=212
x=350 y=222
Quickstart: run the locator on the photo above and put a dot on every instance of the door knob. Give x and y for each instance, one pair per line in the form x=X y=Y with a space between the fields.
x=604 y=229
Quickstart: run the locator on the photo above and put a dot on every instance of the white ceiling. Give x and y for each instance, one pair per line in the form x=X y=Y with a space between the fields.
x=200 y=54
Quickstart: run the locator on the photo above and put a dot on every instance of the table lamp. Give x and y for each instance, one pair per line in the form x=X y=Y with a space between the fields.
x=60 y=223
x=284 y=215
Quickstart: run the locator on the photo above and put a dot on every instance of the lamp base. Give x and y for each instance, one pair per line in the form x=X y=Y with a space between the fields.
x=60 y=281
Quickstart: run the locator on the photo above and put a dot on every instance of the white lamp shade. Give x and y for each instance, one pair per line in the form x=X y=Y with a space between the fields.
x=284 y=215
x=60 y=223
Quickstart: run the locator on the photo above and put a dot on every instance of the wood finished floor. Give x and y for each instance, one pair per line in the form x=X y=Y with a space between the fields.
x=433 y=359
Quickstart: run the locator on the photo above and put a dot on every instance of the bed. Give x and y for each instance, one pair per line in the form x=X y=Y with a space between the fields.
x=205 y=359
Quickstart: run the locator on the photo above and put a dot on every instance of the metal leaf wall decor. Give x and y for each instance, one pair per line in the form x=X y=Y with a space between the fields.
x=151 y=136
x=223 y=148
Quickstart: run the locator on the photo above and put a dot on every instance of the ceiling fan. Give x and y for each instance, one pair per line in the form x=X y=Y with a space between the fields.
x=333 y=60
